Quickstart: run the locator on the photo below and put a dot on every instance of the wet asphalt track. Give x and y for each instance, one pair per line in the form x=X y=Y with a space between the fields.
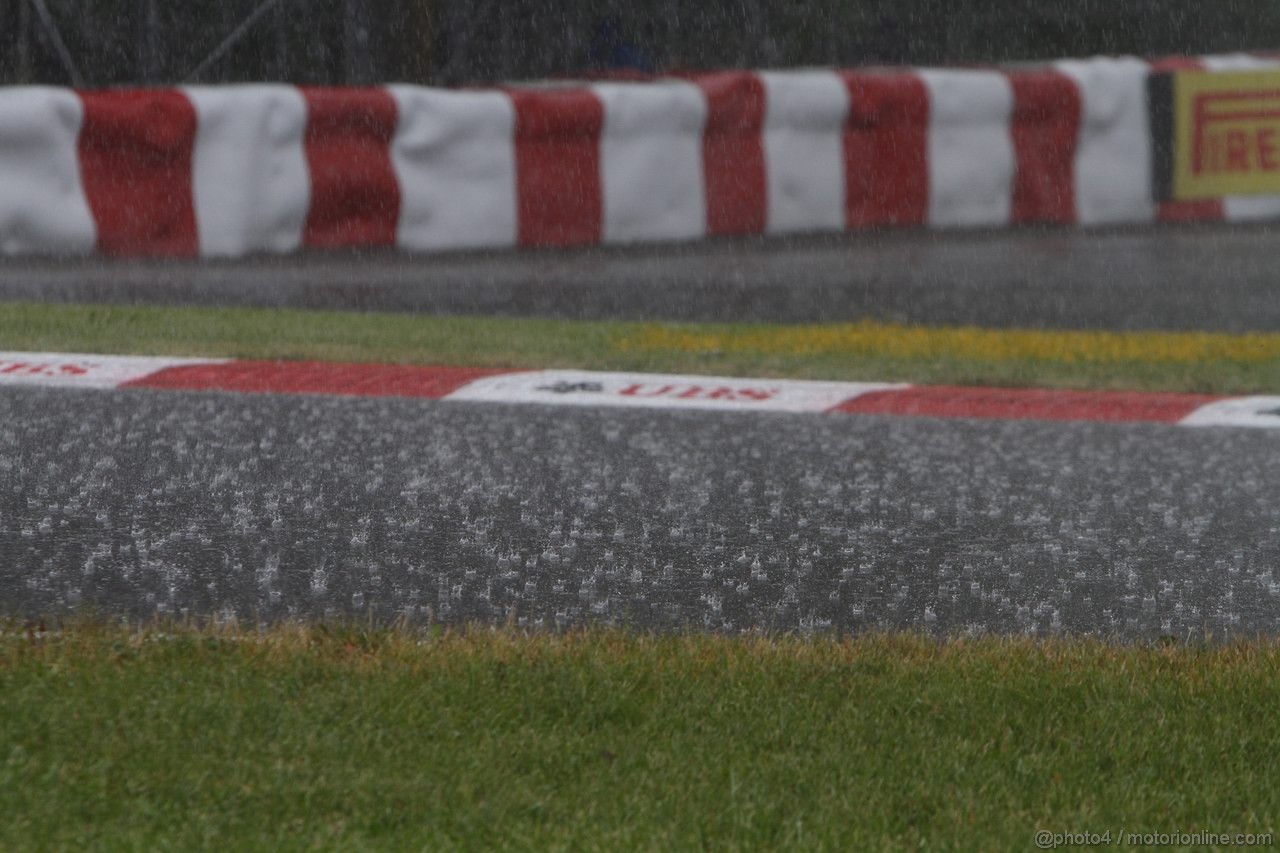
x=146 y=503
x=1193 y=277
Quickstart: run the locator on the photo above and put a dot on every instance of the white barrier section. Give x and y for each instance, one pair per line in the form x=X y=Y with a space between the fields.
x=660 y=391
x=651 y=161
x=1238 y=62
x=971 y=159
x=251 y=183
x=42 y=203
x=1258 y=412
x=70 y=370
x=805 y=112
x=1113 y=157
x=1243 y=208
x=454 y=156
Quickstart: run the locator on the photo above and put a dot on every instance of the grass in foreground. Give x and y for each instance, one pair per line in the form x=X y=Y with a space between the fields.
x=304 y=737
x=1201 y=362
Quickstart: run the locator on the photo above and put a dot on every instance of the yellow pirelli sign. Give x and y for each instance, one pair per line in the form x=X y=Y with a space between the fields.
x=1226 y=134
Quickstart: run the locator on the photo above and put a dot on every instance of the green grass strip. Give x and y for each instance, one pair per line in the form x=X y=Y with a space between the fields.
x=1201 y=362
x=320 y=737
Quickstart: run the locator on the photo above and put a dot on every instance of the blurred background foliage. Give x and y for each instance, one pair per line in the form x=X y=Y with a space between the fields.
x=121 y=42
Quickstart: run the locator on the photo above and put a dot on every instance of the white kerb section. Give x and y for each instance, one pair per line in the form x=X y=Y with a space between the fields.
x=1113 y=152
x=42 y=203
x=1244 y=208
x=651 y=161
x=251 y=183
x=659 y=391
x=970 y=149
x=455 y=159
x=1259 y=412
x=69 y=370
x=805 y=114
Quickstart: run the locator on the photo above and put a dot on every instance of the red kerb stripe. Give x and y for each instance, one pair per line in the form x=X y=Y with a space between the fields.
x=733 y=153
x=135 y=153
x=559 y=195
x=886 y=162
x=1045 y=128
x=309 y=377
x=355 y=197
x=1028 y=404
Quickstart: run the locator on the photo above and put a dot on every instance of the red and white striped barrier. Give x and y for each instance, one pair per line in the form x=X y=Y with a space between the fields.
x=586 y=388
x=229 y=171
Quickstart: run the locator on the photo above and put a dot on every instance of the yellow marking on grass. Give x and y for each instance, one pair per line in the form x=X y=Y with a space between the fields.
x=963 y=343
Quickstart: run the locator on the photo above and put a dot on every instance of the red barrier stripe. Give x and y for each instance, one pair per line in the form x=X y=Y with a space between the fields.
x=886 y=167
x=560 y=200
x=312 y=377
x=135 y=152
x=1028 y=404
x=355 y=197
x=733 y=153
x=1045 y=128
x=1168 y=64
x=1194 y=210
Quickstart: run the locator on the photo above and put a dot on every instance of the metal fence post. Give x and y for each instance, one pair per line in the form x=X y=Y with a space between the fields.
x=358 y=64
x=835 y=30
x=672 y=54
x=149 y=43
x=23 y=70
x=506 y=37
x=281 y=21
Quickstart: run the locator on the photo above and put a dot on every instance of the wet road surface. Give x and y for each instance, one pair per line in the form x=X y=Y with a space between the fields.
x=143 y=503
x=1206 y=277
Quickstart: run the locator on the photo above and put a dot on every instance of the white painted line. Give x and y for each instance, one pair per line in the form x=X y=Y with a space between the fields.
x=660 y=391
x=70 y=370
x=1258 y=412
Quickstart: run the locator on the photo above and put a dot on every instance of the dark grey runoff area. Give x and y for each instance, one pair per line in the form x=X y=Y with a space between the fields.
x=1212 y=278
x=144 y=503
